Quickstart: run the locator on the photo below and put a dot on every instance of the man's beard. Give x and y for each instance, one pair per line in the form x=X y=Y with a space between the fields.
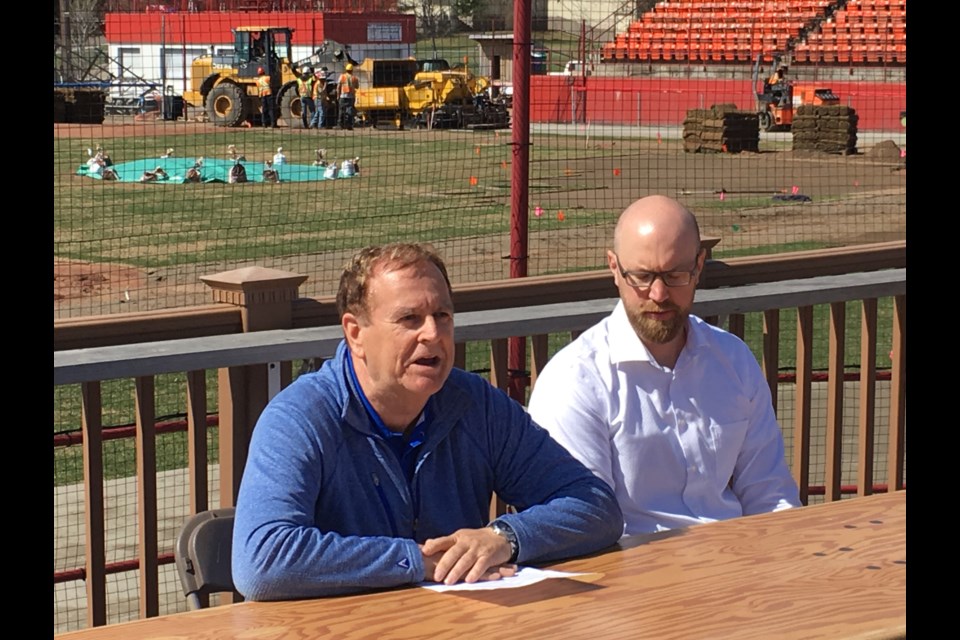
x=657 y=331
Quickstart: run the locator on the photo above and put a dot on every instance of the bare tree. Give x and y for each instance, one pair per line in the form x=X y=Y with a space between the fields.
x=439 y=17
x=80 y=38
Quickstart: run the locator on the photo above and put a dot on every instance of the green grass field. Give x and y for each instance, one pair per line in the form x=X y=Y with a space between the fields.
x=456 y=184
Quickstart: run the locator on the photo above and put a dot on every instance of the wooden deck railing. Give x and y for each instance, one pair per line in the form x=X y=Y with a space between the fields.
x=220 y=318
x=255 y=365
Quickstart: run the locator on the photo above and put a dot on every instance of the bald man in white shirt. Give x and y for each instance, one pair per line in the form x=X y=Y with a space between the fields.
x=673 y=413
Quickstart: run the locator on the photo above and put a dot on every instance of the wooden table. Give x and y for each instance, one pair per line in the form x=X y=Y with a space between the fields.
x=835 y=570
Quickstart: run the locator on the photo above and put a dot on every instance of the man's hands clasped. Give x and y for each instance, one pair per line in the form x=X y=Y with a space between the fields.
x=471 y=555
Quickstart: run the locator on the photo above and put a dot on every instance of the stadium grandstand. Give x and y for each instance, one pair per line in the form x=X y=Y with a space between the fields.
x=813 y=31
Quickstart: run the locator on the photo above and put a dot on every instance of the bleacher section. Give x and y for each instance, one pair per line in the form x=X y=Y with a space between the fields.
x=865 y=31
x=819 y=31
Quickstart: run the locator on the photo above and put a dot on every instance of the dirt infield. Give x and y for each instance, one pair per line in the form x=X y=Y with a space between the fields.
x=73 y=279
x=125 y=128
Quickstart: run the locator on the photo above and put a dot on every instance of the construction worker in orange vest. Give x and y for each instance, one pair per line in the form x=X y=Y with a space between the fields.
x=321 y=99
x=347 y=86
x=268 y=106
x=305 y=89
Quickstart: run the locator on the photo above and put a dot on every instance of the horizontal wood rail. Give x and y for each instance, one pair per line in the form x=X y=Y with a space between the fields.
x=591 y=285
x=147 y=326
x=211 y=352
x=219 y=319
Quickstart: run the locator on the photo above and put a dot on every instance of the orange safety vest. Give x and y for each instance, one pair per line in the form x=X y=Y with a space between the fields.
x=319 y=89
x=348 y=83
x=305 y=87
x=263 y=86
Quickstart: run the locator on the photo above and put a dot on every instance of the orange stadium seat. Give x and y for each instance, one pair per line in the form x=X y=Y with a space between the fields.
x=667 y=49
x=889 y=53
x=900 y=53
x=703 y=52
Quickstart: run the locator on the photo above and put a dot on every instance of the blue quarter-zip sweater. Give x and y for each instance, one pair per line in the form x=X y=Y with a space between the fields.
x=325 y=508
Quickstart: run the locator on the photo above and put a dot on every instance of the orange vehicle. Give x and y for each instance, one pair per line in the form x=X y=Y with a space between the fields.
x=778 y=96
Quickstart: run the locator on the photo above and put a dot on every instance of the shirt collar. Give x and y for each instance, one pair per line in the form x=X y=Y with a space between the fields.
x=417 y=434
x=626 y=346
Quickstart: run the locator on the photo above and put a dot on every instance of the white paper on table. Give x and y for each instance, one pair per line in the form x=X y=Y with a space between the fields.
x=525 y=576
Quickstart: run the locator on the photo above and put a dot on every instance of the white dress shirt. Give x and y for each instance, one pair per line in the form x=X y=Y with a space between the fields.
x=682 y=446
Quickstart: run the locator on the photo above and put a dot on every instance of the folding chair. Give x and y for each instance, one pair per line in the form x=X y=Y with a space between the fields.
x=202 y=554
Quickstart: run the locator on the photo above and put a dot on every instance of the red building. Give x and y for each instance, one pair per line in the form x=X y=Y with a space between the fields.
x=156 y=42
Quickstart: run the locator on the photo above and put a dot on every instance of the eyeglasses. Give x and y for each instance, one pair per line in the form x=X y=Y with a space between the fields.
x=645 y=279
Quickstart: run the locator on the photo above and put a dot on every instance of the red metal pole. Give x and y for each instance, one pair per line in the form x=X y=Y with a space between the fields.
x=582 y=50
x=517 y=346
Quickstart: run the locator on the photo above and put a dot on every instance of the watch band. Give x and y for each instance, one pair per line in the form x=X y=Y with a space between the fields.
x=506 y=531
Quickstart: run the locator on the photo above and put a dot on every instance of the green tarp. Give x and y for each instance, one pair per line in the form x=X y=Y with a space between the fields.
x=213 y=170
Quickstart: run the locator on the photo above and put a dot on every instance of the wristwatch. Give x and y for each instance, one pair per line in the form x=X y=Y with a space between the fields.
x=506 y=531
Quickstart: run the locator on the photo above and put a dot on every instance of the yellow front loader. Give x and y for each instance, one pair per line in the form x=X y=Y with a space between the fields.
x=225 y=86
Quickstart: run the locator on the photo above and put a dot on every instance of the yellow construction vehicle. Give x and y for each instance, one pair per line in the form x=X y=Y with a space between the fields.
x=425 y=93
x=225 y=86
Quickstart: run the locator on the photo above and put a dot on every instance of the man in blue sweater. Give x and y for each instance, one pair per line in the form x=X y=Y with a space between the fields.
x=378 y=469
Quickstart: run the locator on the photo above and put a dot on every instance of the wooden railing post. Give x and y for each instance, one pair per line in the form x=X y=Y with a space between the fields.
x=93 y=508
x=771 y=354
x=835 y=367
x=898 y=396
x=146 y=439
x=538 y=356
x=265 y=298
x=868 y=395
x=499 y=373
x=801 y=412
